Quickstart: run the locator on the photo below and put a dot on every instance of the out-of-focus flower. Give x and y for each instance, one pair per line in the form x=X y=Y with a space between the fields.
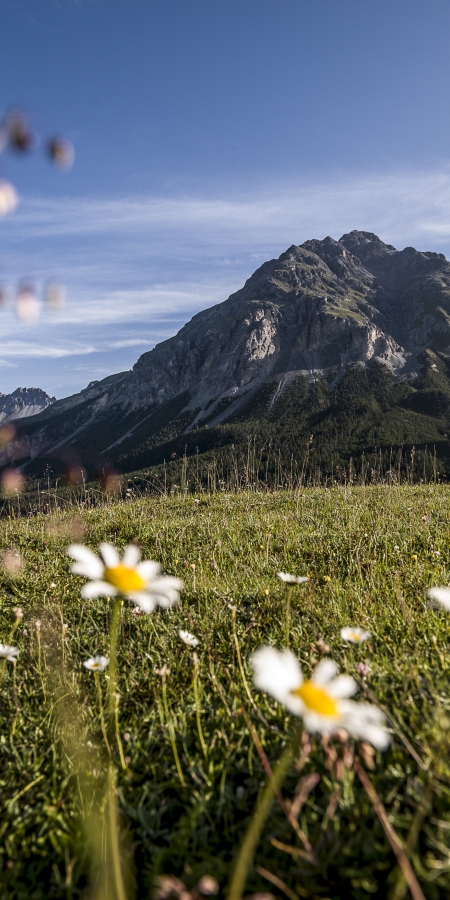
x=55 y=296
x=188 y=638
x=169 y=886
x=111 y=481
x=18 y=612
x=292 y=579
x=9 y=198
x=425 y=519
x=322 y=701
x=12 y=481
x=110 y=576
x=28 y=306
x=326 y=578
x=7 y=434
x=61 y=152
x=12 y=562
x=20 y=136
x=208 y=885
x=163 y=672
x=127 y=736
x=441 y=596
x=9 y=653
x=37 y=624
x=96 y=663
x=414 y=557
x=363 y=669
x=354 y=635
x=67 y=529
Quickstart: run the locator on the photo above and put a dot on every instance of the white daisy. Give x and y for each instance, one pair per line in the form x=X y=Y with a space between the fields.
x=292 y=579
x=322 y=701
x=354 y=635
x=188 y=638
x=9 y=653
x=441 y=595
x=96 y=663
x=111 y=576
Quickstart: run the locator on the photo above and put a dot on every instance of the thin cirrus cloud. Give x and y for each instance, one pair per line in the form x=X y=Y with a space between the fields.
x=136 y=268
x=404 y=204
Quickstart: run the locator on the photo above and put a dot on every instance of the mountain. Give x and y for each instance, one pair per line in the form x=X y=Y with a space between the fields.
x=347 y=339
x=23 y=402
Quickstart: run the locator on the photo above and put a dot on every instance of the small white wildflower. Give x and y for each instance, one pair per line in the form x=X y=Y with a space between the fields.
x=18 y=612
x=96 y=663
x=354 y=635
x=292 y=579
x=9 y=653
x=110 y=576
x=322 y=701
x=188 y=638
x=441 y=595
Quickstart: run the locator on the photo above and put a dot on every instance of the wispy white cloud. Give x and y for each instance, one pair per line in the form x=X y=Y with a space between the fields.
x=401 y=205
x=136 y=268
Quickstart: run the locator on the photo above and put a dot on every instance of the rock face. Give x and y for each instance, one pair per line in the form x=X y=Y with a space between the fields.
x=313 y=311
x=23 y=402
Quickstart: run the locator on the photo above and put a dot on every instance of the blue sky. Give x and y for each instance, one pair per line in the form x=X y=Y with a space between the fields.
x=209 y=137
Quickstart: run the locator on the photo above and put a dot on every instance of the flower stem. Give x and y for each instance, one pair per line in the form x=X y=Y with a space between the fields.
x=113 y=641
x=100 y=707
x=113 y=837
x=172 y=732
x=288 y=617
x=197 y=708
x=258 y=820
x=402 y=859
x=119 y=742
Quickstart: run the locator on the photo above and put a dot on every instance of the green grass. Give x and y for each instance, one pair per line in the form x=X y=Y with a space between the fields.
x=228 y=549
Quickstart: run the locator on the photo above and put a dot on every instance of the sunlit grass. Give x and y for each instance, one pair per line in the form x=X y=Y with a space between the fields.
x=370 y=554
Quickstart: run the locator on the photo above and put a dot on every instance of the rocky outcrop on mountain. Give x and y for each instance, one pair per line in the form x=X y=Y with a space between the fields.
x=313 y=312
x=23 y=402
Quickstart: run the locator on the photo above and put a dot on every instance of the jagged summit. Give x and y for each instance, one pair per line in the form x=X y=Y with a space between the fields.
x=313 y=312
x=23 y=402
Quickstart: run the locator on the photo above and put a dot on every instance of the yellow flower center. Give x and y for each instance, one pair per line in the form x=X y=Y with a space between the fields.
x=124 y=579
x=354 y=636
x=316 y=699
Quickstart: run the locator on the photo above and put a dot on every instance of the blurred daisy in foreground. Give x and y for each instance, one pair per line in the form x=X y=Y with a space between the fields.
x=292 y=579
x=441 y=596
x=28 y=307
x=111 y=576
x=9 y=198
x=354 y=635
x=188 y=638
x=322 y=702
x=96 y=663
x=9 y=653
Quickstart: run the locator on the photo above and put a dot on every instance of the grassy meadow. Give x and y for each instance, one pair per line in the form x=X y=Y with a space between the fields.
x=191 y=736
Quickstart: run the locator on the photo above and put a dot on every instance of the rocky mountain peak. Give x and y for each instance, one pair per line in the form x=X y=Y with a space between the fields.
x=23 y=402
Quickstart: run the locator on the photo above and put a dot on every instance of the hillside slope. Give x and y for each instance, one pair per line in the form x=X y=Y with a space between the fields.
x=351 y=338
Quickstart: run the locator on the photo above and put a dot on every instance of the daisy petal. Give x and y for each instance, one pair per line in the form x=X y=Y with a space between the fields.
x=110 y=555
x=324 y=672
x=148 y=569
x=98 y=589
x=276 y=672
x=441 y=595
x=87 y=563
x=145 y=601
x=131 y=556
x=342 y=686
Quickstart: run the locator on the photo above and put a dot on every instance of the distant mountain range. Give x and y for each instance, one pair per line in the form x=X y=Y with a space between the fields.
x=23 y=402
x=348 y=340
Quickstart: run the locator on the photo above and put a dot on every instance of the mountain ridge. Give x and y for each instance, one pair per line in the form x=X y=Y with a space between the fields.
x=319 y=313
